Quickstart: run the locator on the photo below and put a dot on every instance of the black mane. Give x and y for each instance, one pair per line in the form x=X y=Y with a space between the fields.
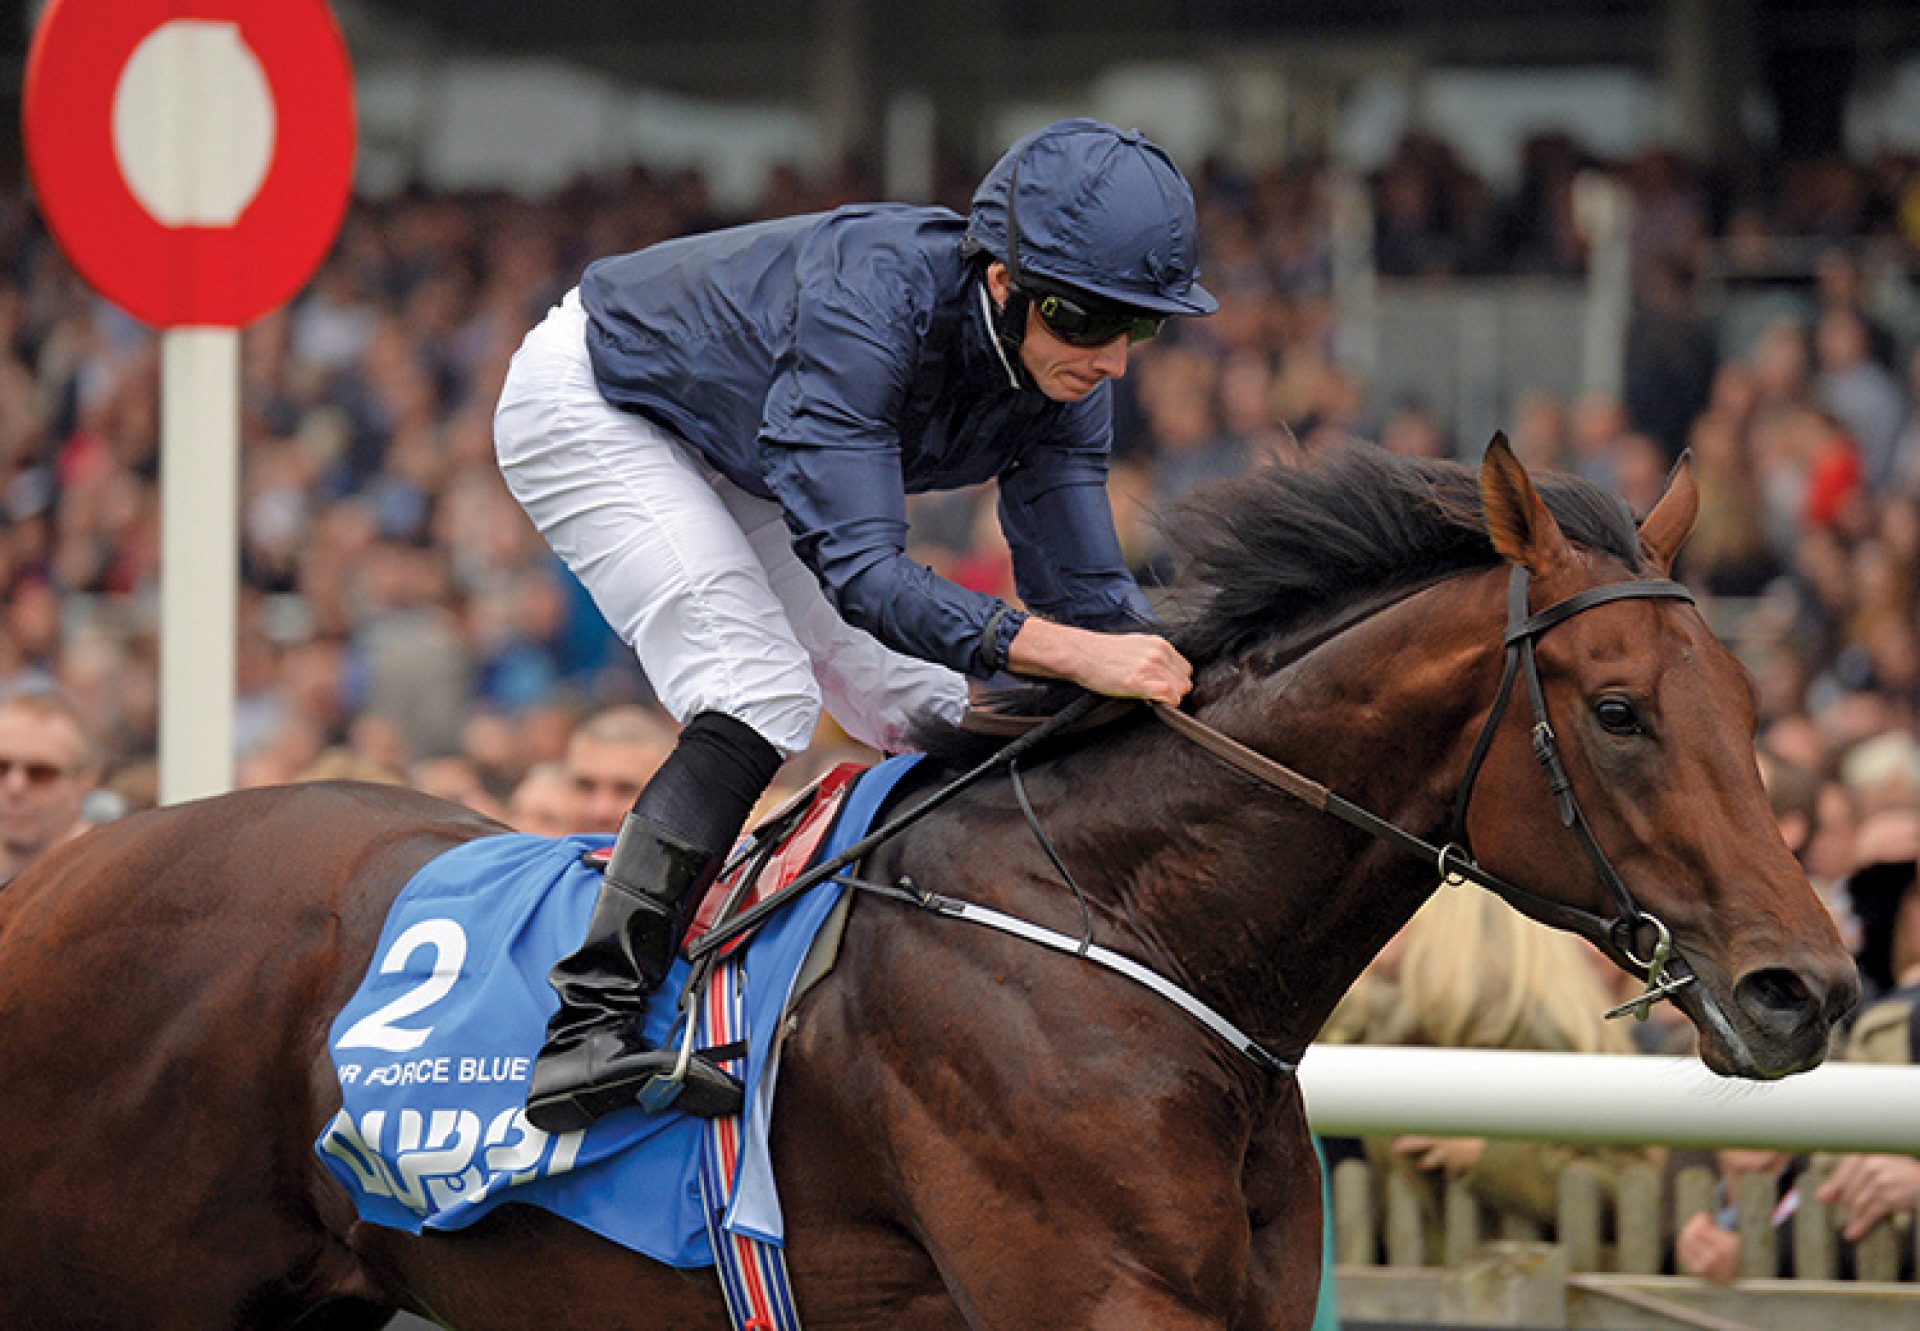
x=1283 y=548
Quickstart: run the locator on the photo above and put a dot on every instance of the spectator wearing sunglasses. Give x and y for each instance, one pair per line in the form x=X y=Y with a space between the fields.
x=718 y=435
x=46 y=770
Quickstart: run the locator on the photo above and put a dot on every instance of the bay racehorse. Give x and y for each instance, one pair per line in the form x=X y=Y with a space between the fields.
x=972 y=1131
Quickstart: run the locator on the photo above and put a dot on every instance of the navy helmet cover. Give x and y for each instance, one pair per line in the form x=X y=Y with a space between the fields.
x=1100 y=210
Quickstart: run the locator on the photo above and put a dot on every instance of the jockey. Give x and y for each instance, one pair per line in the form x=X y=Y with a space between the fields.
x=718 y=434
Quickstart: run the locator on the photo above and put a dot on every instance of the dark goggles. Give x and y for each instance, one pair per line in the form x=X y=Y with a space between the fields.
x=1084 y=323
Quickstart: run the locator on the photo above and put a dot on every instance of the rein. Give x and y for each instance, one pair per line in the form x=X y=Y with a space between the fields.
x=1088 y=710
x=1664 y=970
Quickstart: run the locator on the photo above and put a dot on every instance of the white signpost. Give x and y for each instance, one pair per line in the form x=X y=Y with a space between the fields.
x=194 y=159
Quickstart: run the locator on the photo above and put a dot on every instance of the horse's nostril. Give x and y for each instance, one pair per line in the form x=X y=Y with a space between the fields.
x=1775 y=996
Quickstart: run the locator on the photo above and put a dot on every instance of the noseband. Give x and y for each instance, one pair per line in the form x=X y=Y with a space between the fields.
x=1665 y=971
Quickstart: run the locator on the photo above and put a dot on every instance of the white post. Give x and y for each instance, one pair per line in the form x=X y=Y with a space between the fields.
x=194 y=127
x=1601 y=1099
x=1604 y=211
x=199 y=558
x=910 y=148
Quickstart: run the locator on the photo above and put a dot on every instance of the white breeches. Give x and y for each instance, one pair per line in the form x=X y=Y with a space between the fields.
x=694 y=572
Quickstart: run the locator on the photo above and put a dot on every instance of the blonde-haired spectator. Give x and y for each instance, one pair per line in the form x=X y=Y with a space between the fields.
x=1472 y=973
x=1476 y=974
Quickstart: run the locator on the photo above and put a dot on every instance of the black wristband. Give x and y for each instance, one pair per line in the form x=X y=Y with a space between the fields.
x=996 y=640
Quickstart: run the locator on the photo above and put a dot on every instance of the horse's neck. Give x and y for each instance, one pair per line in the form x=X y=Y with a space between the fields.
x=1276 y=908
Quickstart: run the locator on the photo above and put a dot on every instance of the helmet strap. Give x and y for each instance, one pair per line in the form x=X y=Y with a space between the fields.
x=1008 y=324
x=1013 y=221
x=1010 y=319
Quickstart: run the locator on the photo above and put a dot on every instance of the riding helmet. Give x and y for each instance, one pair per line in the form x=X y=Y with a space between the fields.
x=1098 y=209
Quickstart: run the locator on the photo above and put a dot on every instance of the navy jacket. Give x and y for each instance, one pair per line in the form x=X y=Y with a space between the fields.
x=837 y=362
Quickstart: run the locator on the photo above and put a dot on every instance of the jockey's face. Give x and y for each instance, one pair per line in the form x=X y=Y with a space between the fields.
x=1063 y=371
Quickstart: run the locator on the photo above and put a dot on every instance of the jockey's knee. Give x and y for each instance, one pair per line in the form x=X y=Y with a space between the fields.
x=786 y=720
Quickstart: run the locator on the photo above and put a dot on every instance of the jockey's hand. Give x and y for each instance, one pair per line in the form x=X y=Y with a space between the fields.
x=1120 y=665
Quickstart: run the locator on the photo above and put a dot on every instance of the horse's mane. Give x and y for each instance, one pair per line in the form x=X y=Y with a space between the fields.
x=1282 y=548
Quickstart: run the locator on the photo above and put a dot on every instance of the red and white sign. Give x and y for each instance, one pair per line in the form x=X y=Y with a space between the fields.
x=193 y=157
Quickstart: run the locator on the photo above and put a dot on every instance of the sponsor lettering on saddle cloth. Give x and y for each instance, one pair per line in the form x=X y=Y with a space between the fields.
x=435 y=1050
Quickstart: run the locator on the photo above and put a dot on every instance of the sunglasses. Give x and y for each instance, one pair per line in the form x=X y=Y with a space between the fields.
x=37 y=774
x=1081 y=323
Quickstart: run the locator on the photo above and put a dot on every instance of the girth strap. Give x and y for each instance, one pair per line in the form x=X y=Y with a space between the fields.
x=974 y=913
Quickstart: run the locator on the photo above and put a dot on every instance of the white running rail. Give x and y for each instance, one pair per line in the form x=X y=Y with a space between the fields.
x=1360 y=1090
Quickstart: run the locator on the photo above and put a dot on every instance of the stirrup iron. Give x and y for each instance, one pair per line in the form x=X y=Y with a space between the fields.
x=660 y=1092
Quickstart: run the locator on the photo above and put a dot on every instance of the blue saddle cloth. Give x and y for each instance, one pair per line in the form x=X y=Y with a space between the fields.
x=436 y=1048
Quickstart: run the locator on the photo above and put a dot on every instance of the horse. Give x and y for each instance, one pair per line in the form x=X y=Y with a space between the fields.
x=972 y=1132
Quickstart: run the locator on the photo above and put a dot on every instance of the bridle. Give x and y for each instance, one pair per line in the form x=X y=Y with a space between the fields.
x=1623 y=931
x=1664 y=970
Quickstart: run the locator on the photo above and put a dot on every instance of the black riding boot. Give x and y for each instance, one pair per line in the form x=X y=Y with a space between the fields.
x=595 y=1060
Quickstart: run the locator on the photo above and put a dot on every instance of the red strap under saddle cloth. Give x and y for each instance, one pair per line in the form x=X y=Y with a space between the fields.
x=821 y=801
x=789 y=859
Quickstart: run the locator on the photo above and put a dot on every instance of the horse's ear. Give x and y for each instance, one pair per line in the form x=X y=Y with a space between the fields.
x=1666 y=528
x=1523 y=531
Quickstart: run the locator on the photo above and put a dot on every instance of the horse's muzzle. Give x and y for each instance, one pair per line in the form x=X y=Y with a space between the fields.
x=1789 y=1013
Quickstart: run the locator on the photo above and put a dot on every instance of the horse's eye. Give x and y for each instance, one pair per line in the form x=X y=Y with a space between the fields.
x=1617 y=716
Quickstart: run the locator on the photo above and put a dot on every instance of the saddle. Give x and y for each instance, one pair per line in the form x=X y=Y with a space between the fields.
x=777 y=851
